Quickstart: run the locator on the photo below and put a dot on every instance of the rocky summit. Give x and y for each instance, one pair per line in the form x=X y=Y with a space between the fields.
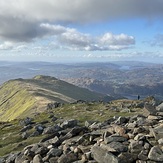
x=119 y=139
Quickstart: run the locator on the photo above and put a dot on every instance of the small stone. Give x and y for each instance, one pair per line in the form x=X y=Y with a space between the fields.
x=37 y=159
x=114 y=138
x=68 y=158
x=160 y=141
x=143 y=155
x=54 y=152
x=53 y=160
x=152 y=117
x=69 y=124
x=121 y=120
x=155 y=154
x=131 y=125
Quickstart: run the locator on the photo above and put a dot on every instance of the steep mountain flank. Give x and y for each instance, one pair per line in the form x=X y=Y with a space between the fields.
x=24 y=97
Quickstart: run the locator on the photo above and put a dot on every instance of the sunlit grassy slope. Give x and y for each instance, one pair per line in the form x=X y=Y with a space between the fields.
x=24 y=97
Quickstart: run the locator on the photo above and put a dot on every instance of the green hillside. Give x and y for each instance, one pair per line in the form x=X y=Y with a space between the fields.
x=26 y=97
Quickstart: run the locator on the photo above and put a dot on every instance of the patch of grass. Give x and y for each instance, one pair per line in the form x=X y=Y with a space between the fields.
x=19 y=145
x=15 y=101
x=90 y=112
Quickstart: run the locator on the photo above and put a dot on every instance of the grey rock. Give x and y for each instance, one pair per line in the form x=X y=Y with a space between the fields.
x=25 y=128
x=115 y=147
x=35 y=147
x=69 y=123
x=139 y=130
x=68 y=158
x=41 y=150
x=54 y=152
x=126 y=157
x=55 y=141
x=131 y=125
x=39 y=128
x=114 y=138
x=53 y=160
x=121 y=120
x=155 y=154
x=51 y=129
x=103 y=156
x=160 y=141
x=88 y=123
x=25 y=135
x=159 y=131
x=53 y=105
x=143 y=155
x=26 y=121
x=135 y=147
x=74 y=132
x=95 y=125
x=160 y=107
x=149 y=109
x=2 y=160
x=35 y=133
x=141 y=161
x=11 y=157
x=26 y=161
x=54 y=119
x=87 y=139
x=37 y=159
x=29 y=154
x=160 y=114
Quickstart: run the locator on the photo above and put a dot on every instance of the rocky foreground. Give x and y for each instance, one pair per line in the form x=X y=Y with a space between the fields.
x=136 y=139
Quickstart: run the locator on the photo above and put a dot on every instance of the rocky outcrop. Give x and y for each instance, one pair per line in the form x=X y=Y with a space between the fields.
x=136 y=139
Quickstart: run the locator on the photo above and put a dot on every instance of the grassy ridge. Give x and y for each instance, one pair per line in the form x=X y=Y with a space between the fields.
x=15 y=100
x=64 y=88
x=25 y=97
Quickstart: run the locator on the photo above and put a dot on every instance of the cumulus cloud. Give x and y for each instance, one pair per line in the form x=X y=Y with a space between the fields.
x=71 y=39
x=6 y=46
x=26 y=20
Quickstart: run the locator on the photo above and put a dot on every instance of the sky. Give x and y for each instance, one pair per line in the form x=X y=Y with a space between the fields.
x=81 y=30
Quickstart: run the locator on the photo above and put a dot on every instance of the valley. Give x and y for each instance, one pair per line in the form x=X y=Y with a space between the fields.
x=116 y=79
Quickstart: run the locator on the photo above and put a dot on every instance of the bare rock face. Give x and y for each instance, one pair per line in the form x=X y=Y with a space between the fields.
x=136 y=139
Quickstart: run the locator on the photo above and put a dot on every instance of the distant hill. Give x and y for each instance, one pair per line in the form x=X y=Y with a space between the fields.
x=24 y=97
x=125 y=78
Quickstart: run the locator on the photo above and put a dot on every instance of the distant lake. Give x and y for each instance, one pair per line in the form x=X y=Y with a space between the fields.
x=125 y=68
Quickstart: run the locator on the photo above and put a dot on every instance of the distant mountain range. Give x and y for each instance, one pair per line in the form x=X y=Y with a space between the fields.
x=26 y=97
x=127 y=79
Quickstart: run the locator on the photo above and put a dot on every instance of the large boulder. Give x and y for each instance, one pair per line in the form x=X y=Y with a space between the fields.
x=103 y=156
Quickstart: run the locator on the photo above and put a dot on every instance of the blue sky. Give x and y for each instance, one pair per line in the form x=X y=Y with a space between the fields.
x=82 y=30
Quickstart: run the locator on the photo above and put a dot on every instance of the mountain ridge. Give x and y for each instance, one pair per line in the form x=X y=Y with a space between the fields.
x=24 y=97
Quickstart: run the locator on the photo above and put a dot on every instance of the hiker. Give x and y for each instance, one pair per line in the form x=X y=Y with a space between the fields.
x=138 y=97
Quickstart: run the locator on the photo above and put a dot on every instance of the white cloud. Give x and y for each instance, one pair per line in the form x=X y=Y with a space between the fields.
x=70 y=38
x=6 y=46
x=25 y=20
x=121 y=39
x=53 y=29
